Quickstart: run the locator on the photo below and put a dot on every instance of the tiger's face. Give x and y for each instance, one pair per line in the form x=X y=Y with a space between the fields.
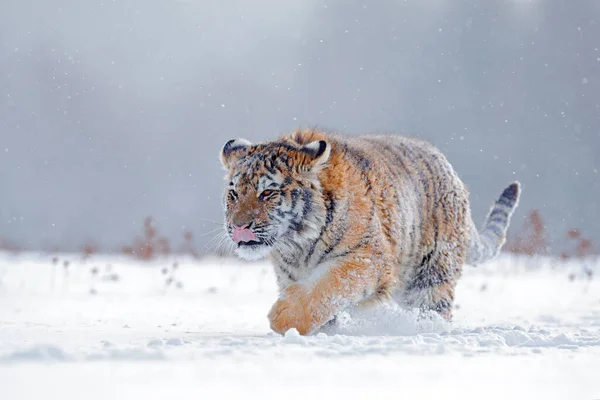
x=272 y=193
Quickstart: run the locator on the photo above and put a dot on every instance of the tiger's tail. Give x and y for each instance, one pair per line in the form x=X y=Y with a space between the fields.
x=486 y=244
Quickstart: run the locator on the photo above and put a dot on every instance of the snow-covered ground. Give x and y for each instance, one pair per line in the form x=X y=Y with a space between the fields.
x=110 y=327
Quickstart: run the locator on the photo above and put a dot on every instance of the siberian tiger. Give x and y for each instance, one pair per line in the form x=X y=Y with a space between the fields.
x=347 y=221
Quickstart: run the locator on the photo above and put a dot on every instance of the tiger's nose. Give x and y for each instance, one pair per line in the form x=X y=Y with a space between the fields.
x=239 y=223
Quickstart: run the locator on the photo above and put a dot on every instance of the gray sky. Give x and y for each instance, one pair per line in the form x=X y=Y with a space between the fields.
x=111 y=111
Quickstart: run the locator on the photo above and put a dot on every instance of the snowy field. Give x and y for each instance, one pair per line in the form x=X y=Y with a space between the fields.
x=112 y=328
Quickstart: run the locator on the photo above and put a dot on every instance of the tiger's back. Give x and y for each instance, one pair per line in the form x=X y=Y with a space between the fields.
x=381 y=217
x=414 y=210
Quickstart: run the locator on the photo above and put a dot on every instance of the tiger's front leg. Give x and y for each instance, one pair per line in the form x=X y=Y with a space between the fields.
x=309 y=304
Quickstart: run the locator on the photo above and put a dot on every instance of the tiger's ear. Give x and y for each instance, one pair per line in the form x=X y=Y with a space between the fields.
x=317 y=153
x=233 y=150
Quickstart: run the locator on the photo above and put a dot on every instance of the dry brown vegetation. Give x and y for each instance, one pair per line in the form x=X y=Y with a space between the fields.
x=531 y=240
x=150 y=244
x=88 y=250
x=8 y=246
x=580 y=246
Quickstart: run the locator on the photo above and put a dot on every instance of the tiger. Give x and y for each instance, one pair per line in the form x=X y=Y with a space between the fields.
x=352 y=221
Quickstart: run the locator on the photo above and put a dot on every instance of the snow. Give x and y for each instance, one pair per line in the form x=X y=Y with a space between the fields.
x=524 y=327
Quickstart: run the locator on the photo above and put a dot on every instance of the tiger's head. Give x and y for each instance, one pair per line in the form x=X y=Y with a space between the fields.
x=273 y=195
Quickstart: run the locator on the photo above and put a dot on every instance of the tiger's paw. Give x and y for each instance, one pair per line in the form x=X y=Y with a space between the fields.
x=295 y=309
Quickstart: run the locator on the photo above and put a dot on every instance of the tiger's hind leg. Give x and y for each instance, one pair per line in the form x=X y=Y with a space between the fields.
x=439 y=299
x=431 y=286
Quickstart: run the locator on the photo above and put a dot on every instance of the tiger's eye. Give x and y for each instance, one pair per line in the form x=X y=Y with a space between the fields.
x=266 y=193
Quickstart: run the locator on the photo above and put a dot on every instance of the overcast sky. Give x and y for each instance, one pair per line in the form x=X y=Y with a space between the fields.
x=111 y=111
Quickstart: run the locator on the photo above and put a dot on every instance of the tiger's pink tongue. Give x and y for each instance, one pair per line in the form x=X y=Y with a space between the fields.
x=243 y=235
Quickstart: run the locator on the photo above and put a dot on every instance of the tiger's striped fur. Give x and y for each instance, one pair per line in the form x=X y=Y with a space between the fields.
x=351 y=220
